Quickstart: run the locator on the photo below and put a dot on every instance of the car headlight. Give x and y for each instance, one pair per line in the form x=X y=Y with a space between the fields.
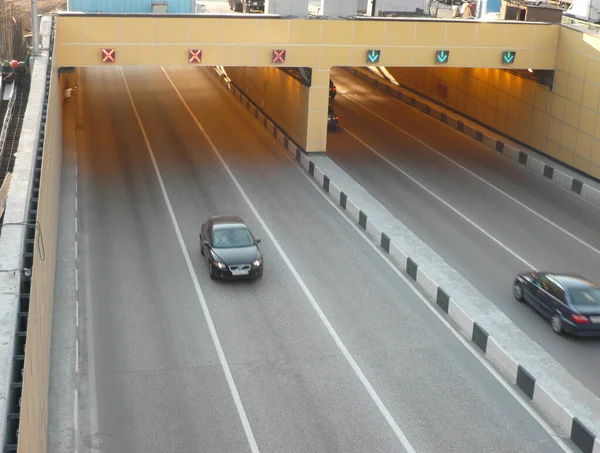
x=257 y=263
x=219 y=264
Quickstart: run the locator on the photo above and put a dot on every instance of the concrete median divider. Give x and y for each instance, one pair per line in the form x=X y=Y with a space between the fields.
x=27 y=261
x=569 y=407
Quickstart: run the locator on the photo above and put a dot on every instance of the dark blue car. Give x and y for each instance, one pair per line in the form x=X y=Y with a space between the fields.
x=570 y=302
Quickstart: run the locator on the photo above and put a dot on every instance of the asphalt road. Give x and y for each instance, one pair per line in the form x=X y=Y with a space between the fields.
x=331 y=351
x=559 y=231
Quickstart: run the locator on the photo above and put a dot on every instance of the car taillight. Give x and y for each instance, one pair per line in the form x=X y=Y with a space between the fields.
x=580 y=319
x=336 y=118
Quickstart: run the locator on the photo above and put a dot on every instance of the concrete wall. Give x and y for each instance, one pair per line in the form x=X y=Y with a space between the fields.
x=563 y=123
x=34 y=405
x=510 y=104
x=574 y=107
x=280 y=96
x=242 y=40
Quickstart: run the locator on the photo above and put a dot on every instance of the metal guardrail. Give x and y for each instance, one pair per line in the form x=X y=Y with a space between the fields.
x=7 y=119
x=591 y=26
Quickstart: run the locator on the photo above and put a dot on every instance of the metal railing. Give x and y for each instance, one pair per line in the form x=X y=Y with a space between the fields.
x=7 y=119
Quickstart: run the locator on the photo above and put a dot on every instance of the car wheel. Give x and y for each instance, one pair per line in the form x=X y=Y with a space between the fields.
x=201 y=249
x=211 y=271
x=518 y=291
x=556 y=323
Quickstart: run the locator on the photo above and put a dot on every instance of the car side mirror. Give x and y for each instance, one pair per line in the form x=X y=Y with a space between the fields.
x=257 y=241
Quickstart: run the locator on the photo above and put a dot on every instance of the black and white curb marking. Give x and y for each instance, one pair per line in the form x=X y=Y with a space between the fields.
x=512 y=371
x=524 y=158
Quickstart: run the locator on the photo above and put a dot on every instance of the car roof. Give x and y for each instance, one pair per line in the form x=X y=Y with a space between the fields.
x=571 y=281
x=227 y=220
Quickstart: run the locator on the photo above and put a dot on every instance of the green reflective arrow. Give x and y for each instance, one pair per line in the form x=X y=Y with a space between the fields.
x=442 y=56
x=509 y=57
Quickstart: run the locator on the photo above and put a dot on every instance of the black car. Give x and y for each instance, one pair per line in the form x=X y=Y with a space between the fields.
x=332 y=89
x=332 y=120
x=230 y=249
x=570 y=302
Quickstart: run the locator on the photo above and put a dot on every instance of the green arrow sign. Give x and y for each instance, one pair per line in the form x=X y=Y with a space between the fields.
x=373 y=56
x=508 y=57
x=441 y=56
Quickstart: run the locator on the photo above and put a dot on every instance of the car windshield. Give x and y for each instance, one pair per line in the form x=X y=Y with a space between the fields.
x=232 y=237
x=585 y=298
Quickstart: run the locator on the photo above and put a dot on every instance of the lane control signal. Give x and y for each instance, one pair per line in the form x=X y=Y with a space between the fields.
x=373 y=56
x=109 y=55
x=278 y=56
x=195 y=56
x=508 y=57
x=442 y=56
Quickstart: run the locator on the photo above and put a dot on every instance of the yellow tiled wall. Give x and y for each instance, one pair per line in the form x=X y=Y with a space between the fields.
x=563 y=122
x=513 y=105
x=574 y=129
x=280 y=96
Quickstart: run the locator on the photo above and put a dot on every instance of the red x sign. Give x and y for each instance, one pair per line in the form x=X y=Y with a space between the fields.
x=108 y=55
x=195 y=56
x=278 y=56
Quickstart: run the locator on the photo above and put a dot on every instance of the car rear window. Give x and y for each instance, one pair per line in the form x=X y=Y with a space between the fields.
x=585 y=298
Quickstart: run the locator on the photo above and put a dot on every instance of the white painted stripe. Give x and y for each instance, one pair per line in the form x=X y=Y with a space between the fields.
x=445 y=203
x=77 y=313
x=76 y=356
x=352 y=210
x=596 y=446
x=76 y=418
x=76 y=248
x=502 y=359
x=557 y=414
x=566 y=183
x=76 y=226
x=427 y=284
x=213 y=331
x=382 y=408
x=465 y=342
x=373 y=231
x=462 y=319
x=398 y=255
x=76 y=279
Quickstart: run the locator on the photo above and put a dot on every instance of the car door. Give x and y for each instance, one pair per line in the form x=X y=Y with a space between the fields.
x=545 y=297
x=558 y=302
x=207 y=237
x=530 y=289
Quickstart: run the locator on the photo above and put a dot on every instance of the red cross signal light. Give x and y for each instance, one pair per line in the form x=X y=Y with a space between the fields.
x=108 y=55
x=195 y=56
x=278 y=56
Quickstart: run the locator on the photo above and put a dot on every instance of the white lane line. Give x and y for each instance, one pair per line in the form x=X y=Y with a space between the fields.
x=445 y=203
x=200 y=295
x=76 y=418
x=510 y=197
x=77 y=313
x=76 y=356
x=481 y=359
x=76 y=279
x=380 y=405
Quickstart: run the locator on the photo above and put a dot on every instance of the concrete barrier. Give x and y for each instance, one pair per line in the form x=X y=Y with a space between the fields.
x=27 y=251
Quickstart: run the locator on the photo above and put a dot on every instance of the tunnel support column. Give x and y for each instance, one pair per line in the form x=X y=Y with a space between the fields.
x=287 y=7
x=318 y=103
